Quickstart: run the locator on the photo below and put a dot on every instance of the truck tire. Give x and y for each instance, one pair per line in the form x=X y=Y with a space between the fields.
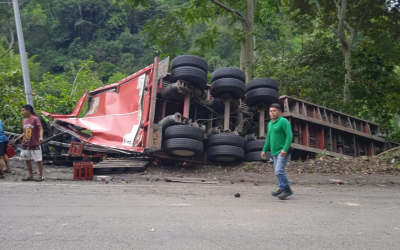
x=169 y=94
x=184 y=131
x=232 y=86
x=195 y=76
x=189 y=60
x=262 y=96
x=226 y=139
x=225 y=153
x=168 y=121
x=214 y=131
x=228 y=72
x=250 y=137
x=183 y=147
x=262 y=83
x=256 y=156
x=252 y=146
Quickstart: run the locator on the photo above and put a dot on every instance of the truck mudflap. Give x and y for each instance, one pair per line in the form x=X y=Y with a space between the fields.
x=116 y=114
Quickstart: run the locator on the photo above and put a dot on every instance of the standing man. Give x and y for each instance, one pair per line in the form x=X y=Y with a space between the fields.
x=279 y=139
x=32 y=137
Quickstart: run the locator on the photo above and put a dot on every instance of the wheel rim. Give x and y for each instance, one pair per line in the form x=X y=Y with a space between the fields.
x=183 y=152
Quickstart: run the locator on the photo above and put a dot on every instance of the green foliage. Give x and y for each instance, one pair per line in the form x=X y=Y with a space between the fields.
x=394 y=131
x=54 y=94
x=116 y=77
x=324 y=153
x=136 y=3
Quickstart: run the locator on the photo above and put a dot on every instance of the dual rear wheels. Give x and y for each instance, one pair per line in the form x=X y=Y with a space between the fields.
x=183 y=141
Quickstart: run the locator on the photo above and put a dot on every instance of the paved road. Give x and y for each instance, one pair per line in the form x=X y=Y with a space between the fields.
x=162 y=215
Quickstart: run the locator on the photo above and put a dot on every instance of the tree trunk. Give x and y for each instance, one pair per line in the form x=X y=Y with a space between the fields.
x=12 y=40
x=247 y=49
x=249 y=40
x=243 y=49
x=347 y=76
x=342 y=8
x=243 y=56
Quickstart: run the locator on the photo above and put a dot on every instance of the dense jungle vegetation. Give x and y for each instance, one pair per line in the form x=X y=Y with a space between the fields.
x=342 y=54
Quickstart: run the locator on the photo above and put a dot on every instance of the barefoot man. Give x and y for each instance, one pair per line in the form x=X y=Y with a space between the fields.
x=32 y=137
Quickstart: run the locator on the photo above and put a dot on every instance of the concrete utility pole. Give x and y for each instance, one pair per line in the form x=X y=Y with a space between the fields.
x=22 y=52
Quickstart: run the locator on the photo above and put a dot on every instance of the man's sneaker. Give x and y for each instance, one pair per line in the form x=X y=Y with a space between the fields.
x=286 y=192
x=277 y=192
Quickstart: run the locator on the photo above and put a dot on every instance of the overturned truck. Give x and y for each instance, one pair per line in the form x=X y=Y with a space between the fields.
x=179 y=116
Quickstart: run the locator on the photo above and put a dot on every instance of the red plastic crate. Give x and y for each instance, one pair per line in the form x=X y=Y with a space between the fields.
x=10 y=151
x=83 y=170
x=75 y=148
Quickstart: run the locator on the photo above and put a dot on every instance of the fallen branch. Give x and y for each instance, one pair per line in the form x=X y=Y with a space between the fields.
x=389 y=151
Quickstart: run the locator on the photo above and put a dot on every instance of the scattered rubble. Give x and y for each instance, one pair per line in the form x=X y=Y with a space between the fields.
x=377 y=170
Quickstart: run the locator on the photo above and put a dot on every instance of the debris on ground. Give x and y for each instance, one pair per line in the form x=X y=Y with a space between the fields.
x=360 y=165
x=103 y=178
x=190 y=180
x=334 y=181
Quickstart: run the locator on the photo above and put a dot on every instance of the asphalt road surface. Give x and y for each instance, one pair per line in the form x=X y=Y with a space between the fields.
x=159 y=215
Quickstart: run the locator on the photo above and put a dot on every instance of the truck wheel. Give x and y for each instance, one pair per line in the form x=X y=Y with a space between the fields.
x=228 y=72
x=252 y=146
x=226 y=139
x=256 y=156
x=169 y=94
x=184 y=131
x=214 y=131
x=225 y=153
x=189 y=60
x=234 y=87
x=250 y=137
x=183 y=147
x=267 y=83
x=262 y=96
x=195 y=76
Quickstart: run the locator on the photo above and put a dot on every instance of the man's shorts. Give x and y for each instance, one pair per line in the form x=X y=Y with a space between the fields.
x=3 y=148
x=27 y=155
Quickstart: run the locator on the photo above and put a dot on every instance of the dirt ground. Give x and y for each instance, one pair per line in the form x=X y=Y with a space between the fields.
x=379 y=171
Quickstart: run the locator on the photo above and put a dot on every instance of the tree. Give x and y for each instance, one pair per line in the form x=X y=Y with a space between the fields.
x=347 y=41
x=247 y=47
x=6 y=27
x=163 y=33
x=351 y=21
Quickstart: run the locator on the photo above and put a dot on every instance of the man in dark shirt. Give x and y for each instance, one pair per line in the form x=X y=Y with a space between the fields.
x=32 y=137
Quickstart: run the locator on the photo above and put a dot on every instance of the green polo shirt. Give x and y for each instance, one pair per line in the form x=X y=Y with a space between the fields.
x=279 y=136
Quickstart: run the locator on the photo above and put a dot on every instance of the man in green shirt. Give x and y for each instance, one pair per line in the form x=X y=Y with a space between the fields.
x=279 y=139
